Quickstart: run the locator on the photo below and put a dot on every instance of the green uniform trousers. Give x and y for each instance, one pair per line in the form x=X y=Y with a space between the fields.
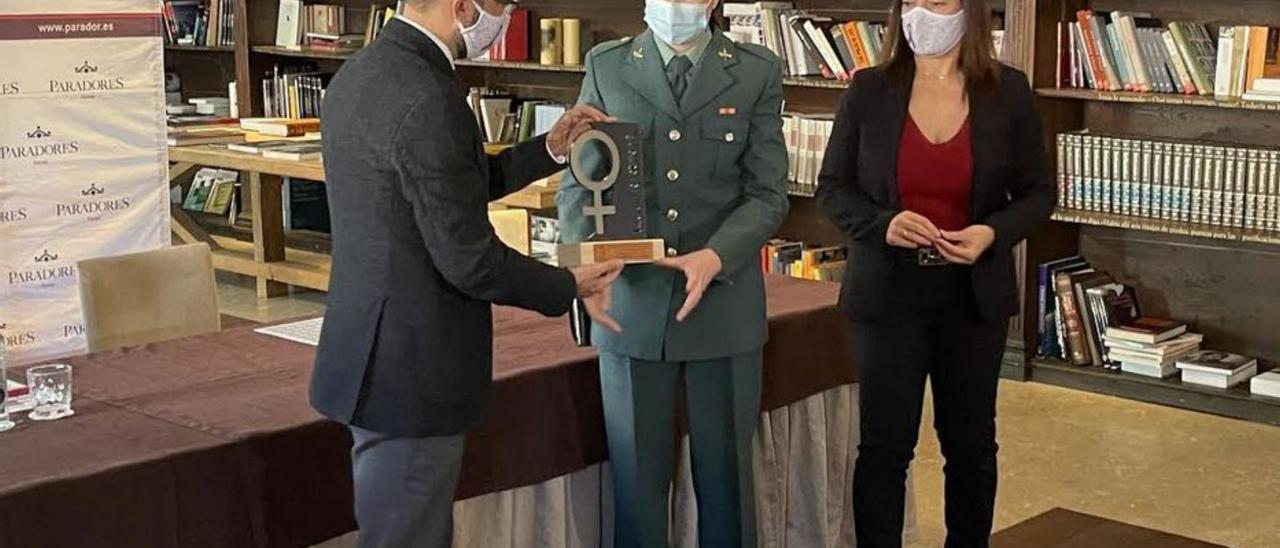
x=723 y=407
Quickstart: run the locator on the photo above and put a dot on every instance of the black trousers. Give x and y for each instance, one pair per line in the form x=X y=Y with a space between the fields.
x=935 y=333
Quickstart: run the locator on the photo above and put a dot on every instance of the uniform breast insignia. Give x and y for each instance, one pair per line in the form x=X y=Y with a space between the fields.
x=638 y=53
x=724 y=54
x=728 y=111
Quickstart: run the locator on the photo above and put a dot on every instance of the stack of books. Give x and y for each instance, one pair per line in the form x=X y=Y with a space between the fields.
x=808 y=45
x=211 y=106
x=300 y=25
x=1266 y=384
x=1217 y=369
x=1126 y=51
x=1220 y=188
x=799 y=260
x=503 y=118
x=281 y=127
x=1078 y=305
x=1150 y=347
x=806 y=138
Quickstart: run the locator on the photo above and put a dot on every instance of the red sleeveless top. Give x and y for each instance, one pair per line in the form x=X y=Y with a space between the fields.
x=935 y=180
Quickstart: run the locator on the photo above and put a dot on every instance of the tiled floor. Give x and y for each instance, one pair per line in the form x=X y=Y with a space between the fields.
x=237 y=297
x=1187 y=473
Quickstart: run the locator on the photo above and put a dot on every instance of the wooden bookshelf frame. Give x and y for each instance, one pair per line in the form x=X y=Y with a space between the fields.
x=1209 y=276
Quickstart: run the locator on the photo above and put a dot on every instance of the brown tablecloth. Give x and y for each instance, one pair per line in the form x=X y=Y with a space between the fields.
x=210 y=441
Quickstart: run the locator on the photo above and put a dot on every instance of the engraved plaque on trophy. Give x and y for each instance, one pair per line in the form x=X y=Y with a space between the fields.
x=617 y=209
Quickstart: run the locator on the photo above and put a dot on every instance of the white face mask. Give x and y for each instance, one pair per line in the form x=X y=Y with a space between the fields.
x=676 y=23
x=486 y=31
x=930 y=34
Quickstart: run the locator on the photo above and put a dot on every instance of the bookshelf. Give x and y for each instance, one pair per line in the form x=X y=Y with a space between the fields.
x=254 y=54
x=1218 y=280
x=1155 y=99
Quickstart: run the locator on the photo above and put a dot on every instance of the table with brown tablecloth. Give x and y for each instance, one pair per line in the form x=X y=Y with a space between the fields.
x=210 y=440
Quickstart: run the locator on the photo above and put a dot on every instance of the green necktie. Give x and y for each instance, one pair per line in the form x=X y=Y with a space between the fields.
x=678 y=75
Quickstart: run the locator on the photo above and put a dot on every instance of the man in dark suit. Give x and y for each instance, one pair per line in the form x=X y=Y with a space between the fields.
x=405 y=354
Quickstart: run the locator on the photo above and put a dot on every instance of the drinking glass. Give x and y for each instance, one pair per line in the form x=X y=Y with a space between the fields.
x=51 y=387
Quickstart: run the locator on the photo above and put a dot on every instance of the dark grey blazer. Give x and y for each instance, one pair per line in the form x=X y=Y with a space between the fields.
x=1013 y=190
x=407 y=343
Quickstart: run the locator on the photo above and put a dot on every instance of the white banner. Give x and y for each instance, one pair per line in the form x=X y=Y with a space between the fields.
x=83 y=161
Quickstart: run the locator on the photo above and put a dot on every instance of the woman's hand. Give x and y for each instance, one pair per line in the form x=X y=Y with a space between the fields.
x=912 y=231
x=966 y=246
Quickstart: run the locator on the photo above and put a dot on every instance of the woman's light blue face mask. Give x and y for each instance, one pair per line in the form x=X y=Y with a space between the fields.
x=676 y=23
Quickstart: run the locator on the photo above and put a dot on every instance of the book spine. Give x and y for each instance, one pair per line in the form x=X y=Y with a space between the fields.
x=1100 y=37
x=1198 y=200
x=1128 y=185
x=1175 y=58
x=1217 y=165
x=1249 y=219
x=1059 y=70
x=1042 y=305
x=1272 y=191
x=1063 y=171
x=1077 y=348
x=1236 y=198
x=1164 y=188
x=1094 y=52
x=1222 y=77
x=1188 y=181
x=1204 y=86
x=861 y=54
x=1079 y=163
x=1118 y=57
x=844 y=48
x=1146 y=177
x=1225 y=185
x=1086 y=172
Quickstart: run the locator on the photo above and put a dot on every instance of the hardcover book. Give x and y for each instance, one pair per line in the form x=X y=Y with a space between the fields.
x=1147 y=330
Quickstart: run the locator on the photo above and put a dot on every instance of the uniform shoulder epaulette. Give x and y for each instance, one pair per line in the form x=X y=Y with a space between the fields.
x=755 y=50
x=611 y=45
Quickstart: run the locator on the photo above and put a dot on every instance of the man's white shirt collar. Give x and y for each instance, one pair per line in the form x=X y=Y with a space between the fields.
x=448 y=53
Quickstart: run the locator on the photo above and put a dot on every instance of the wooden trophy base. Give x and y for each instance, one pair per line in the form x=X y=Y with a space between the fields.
x=629 y=251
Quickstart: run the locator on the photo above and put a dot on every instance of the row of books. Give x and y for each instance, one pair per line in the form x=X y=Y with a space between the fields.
x=1087 y=318
x=808 y=45
x=1076 y=305
x=503 y=118
x=379 y=16
x=315 y=26
x=294 y=92
x=1213 y=185
x=212 y=191
x=1135 y=52
x=798 y=260
x=806 y=137
x=199 y=22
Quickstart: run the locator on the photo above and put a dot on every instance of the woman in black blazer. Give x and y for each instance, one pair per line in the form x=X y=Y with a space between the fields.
x=936 y=168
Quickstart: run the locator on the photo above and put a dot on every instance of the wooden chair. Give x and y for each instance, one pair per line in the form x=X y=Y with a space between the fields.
x=147 y=297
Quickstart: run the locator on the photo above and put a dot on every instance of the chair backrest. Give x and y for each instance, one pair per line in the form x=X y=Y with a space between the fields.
x=147 y=297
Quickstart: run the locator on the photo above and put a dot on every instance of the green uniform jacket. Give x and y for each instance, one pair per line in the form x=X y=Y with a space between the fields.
x=717 y=167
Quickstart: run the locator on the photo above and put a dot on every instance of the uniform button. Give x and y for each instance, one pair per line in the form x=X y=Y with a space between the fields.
x=728 y=137
x=673 y=175
x=674 y=135
x=671 y=252
x=672 y=215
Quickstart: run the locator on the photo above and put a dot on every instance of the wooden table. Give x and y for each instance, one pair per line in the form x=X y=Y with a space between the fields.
x=266 y=257
x=1062 y=528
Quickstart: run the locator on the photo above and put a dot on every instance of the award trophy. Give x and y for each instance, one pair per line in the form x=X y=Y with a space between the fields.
x=620 y=231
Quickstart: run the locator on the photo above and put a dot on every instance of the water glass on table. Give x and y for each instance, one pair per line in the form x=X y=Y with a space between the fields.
x=50 y=385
